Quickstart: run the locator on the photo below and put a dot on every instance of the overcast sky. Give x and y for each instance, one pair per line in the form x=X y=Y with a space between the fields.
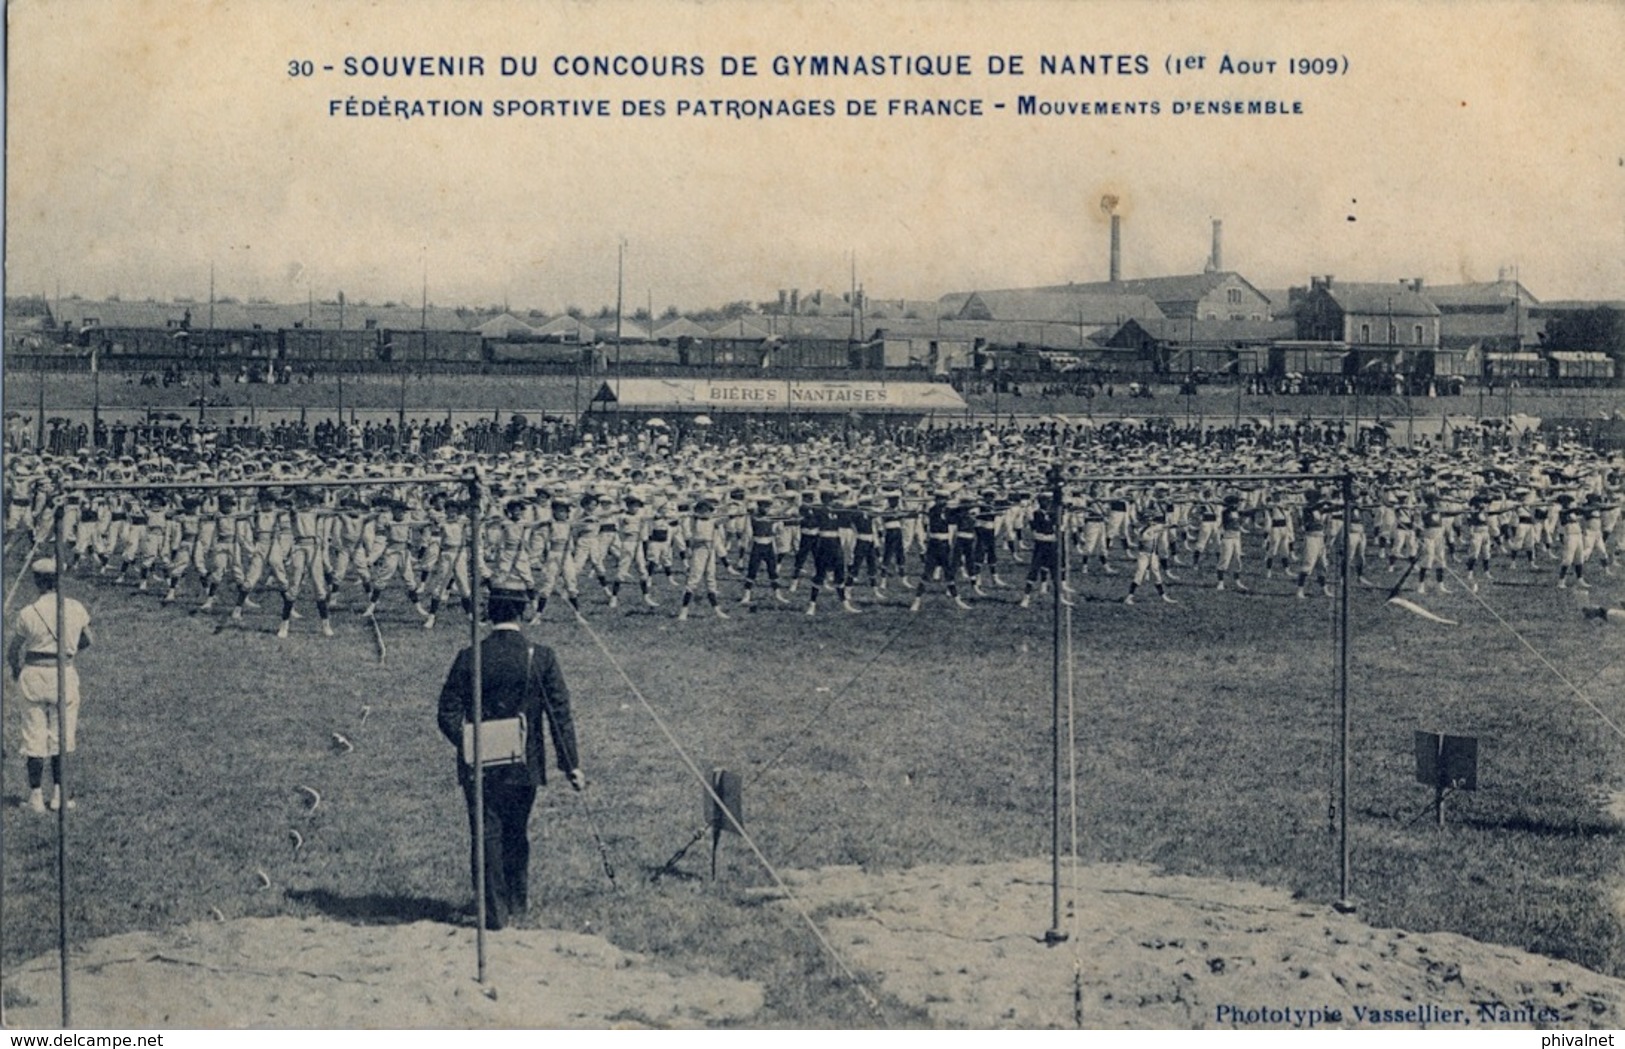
x=147 y=141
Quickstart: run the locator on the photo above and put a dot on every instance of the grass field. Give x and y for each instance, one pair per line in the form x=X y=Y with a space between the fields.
x=1206 y=743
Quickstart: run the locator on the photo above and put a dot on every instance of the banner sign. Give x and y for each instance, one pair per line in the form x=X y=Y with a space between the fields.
x=724 y=392
x=758 y=395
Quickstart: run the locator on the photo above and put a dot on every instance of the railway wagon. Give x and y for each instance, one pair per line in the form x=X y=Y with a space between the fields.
x=712 y=352
x=1506 y=366
x=504 y=351
x=823 y=353
x=429 y=347
x=182 y=343
x=1297 y=358
x=143 y=342
x=1225 y=361
x=1581 y=366
x=326 y=344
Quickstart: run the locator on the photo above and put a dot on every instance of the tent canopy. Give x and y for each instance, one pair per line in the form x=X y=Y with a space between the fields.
x=568 y=329
x=740 y=330
x=680 y=328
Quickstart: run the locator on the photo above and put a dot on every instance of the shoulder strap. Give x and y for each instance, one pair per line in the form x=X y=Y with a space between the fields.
x=49 y=629
x=547 y=701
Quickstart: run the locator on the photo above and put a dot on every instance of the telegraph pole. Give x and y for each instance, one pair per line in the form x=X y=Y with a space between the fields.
x=620 y=291
x=1054 y=934
x=96 y=392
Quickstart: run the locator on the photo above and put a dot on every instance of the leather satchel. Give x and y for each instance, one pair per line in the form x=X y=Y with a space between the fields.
x=503 y=741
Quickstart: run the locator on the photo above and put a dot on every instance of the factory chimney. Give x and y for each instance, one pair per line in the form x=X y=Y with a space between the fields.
x=1215 y=262
x=1108 y=204
x=1117 y=249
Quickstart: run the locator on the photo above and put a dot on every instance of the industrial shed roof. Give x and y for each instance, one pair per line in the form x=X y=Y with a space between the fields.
x=1056 y=306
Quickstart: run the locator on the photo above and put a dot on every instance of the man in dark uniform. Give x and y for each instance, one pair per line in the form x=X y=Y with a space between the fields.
x=963 y=557
x=891 y=549
x=865 y=519
x=764 y=535
x=986 y=516
x=939 y=551
x=1046 y=524
x=809 y=516
x=517 y=679
x=829 y=560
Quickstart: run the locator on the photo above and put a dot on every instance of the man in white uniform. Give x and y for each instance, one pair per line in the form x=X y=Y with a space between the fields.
x=32 y=656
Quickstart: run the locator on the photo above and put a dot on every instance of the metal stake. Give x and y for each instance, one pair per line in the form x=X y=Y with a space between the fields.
x=1054 y=935
x=1344 y=902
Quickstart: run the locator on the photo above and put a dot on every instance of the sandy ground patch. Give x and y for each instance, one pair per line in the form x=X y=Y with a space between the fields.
x=317 y=972
x=1146 y=951
x=1156 y=951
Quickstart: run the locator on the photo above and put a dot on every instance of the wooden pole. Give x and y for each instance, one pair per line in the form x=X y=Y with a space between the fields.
x=1345 y=902
x=1054 y=935
x=39 y=422
x=475 y=515
x=95 y=396
x=62 y=769
x=620 y=286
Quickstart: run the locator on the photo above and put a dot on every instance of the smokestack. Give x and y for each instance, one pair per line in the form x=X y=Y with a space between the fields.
x=1216 y=261
x=1117 y=249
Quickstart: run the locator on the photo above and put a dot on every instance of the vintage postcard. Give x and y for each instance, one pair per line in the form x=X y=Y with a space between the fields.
x=1017 y=515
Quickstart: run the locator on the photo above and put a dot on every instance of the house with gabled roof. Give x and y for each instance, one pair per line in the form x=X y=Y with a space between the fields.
x=1375 y=326
x=1367 y=315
